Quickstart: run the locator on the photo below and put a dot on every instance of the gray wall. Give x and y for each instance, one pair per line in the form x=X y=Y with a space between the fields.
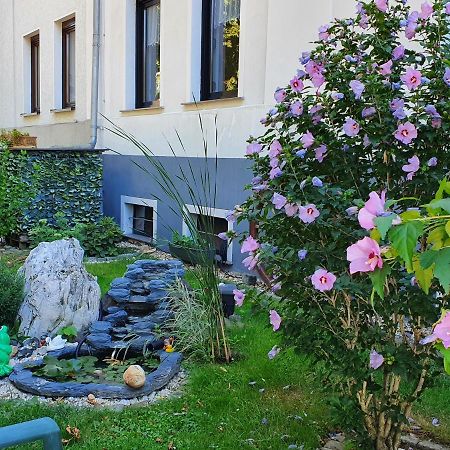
x=134 y=176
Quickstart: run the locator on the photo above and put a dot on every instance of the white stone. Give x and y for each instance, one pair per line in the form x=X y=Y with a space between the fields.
x=58 y=290
x=134 y=376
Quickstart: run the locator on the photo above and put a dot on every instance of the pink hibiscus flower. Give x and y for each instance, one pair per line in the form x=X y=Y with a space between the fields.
x=278 y=200
x=280 y=95
x=374 y=207
x=441 y=331
x=291 y=209
x=364 y=256
x=296 y=84
x=412 y=167
x=386 y=68
x=307 y=139
x=426 y=11
x=382 y=5
x=376 y=360
x=250 y=262
x=275 y=149
x=308 y=213
x=351 y=127
x=321 y=152
x=323 y=280
x=406 y=133
x=239 y=297
x=412 y=78
x=398 y=52
x=275 y=319
x=296 y=108
x=253 y=148
x=249 y=245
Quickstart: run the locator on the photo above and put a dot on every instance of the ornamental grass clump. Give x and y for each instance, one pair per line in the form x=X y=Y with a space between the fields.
x=348 y=234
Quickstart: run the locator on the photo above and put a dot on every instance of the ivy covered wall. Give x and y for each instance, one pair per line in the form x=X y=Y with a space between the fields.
x=67 y=181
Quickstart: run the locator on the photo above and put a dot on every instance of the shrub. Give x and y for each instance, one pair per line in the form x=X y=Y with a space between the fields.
x=11 y=295
x=184 y=241
x=101 y=239
x=98 y=239
x=368 y=114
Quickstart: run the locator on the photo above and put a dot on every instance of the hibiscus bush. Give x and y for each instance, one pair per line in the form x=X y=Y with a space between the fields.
x=356 y=146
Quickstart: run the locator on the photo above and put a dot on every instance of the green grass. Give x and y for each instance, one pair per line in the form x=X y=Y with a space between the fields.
x=219 y=408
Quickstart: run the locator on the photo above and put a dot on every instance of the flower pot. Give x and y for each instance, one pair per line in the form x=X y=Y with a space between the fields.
x=192 y=255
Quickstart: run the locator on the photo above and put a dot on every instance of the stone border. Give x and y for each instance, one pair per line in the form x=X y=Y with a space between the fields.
x=24 y=380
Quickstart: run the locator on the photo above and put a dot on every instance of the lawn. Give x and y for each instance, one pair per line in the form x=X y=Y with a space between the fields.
x=252 y=403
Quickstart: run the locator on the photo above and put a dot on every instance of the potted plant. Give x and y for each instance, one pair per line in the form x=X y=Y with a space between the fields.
x=190 y=250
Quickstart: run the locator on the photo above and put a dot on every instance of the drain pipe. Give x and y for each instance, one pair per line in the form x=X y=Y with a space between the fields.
x=95 y=74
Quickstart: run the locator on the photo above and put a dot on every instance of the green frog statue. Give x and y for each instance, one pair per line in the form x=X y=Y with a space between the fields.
x=5 y=352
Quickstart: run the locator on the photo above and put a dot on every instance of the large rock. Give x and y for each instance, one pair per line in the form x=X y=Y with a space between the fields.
x=58 y=290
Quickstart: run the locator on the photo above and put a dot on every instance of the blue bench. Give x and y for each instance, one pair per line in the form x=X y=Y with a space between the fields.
x=44 y=429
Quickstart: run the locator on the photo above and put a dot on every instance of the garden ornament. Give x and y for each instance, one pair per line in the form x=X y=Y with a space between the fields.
x=168 y=345
x=5 y=352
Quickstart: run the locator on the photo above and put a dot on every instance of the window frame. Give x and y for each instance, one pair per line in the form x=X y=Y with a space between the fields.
x=206 y=60
x=140 y=69
x=35 y=78
x=68 y=27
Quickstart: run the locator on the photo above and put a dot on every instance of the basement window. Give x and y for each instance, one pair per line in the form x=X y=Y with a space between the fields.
x=211 y=225
x=139 y=218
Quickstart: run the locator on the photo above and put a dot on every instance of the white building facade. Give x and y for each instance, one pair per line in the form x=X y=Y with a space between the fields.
x=162 y=64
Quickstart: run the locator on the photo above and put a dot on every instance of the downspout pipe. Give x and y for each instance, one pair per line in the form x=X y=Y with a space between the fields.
x=95 y=73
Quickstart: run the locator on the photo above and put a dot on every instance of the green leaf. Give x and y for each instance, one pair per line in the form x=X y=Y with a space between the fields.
x=442 y=268
x=378 y=278
x=441 y=259
x=443 y=203
x=384 y=224
x=404 y=239
x=446 y=354
x=423 y=276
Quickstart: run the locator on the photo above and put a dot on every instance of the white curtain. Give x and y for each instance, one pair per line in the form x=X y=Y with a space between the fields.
x=226 y=10
x=152 y=24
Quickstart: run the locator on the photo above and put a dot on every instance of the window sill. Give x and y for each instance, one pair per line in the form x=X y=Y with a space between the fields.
x=62 y=110
x=31 y=114
x=142 y=111
x=218 y=101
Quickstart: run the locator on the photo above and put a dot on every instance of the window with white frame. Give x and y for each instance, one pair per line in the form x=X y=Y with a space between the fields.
x=212 y=220
x=220 y=48
x=139 y=218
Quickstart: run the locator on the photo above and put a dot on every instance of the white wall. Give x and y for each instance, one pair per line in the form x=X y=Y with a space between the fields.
x=23 y=18
x=273 y=35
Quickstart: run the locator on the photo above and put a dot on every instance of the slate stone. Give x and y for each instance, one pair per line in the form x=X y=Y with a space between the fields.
x=143 y=326
x=99 y=341
x=117 y=318
x=179 y=272
x=121 y=283
x=161 y=316
x=139 y=291
x=101 y=327
x=113 y=309
x=119 y=295
x=135 y=274
x=157 y=284
x=137 y=285
x=142 y=342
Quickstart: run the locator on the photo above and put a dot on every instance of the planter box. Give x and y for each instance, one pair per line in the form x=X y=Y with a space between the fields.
x=192 y=255
x=25 y=142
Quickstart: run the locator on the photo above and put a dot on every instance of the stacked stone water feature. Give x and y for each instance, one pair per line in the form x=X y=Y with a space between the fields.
x=134 y=307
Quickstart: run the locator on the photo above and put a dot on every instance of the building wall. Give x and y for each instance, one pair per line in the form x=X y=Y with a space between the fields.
x=273 y=35
x=24 y=18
